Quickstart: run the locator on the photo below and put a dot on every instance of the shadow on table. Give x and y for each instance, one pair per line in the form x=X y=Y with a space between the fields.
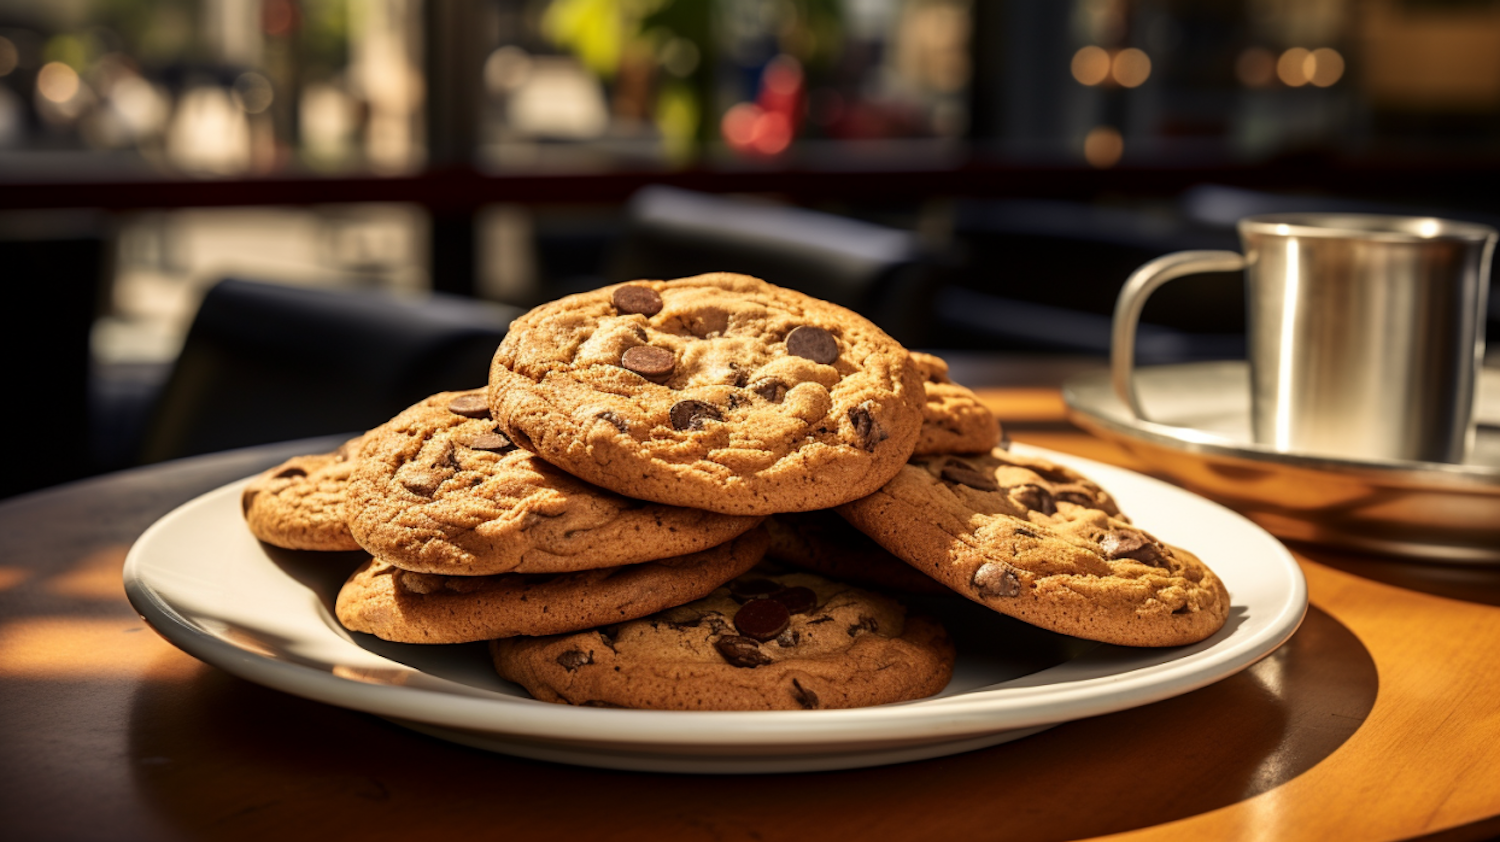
x=1478 y=583
x=263 y=761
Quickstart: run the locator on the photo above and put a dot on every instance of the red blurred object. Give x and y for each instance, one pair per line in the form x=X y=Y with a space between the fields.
x=767 y=126
x=281 y=17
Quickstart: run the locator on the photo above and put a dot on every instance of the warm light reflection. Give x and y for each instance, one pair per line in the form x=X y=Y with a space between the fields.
x=1103 y=147
x=1255 y=67
x=11 y=576
x=1091 y=65
x=1429 y=228
x=95 y=577
x=57 y=82
x=1324 y=66
x=73 y=649
x=373 y=675
x=1292 y=67
x=1131 y=68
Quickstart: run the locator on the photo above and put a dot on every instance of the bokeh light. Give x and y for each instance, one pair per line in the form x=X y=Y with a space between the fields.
x=1130 y=68
x=1091 y=65
x=738 y=125
x=1324 y=67
x=57 y=82
x=1292 y=67
x=1103 y=147
x=253 y=92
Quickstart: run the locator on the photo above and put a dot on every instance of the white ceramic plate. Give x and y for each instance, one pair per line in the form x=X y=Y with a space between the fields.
x=202 y=581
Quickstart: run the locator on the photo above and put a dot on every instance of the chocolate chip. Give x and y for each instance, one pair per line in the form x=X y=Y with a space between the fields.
x=421 y=481
x=744 y=590
x=741 y=651
x=798 y=600
x=771 y=390
x=690 y=415
x=1035 y=498
x=803 y=696
x=289 y=473
x=1122 y=543
x=866 y=624
x=614 y=420
x=965 y=474
x=996 y=580
x=813 y=343
x=636 y=299
x=649 y=361
x=866 y=427
x=493 y=442
x=470 y=406
x=762 y=619
x=574 y=658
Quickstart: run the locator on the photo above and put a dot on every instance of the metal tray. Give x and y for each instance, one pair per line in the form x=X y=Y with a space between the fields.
x=1198 y=436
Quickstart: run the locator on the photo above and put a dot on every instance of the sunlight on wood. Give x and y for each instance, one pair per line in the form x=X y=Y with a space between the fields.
x=1020 y=405
x=11 y=577
x=95 y=576
x=88 y=650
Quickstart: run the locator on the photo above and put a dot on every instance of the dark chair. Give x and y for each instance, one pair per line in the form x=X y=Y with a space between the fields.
x=1043 y=276
x=882 y=273
x=54 y=265
x=268 y=362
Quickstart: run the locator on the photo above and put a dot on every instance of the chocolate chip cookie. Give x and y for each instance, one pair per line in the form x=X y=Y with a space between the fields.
x=954 y=420
x=406 y=607
x=775 y=642
x=1040 y=543
x=720 y=392
x=825 y=543
x=440 y=490
x=299 y=504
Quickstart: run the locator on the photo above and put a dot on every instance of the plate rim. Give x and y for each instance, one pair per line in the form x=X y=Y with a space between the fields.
x=969 y=714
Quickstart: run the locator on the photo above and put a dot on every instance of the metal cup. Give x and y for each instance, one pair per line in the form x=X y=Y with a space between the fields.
x=1366 y=332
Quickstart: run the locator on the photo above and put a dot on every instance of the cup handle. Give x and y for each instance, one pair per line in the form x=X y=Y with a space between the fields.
x=1141 y=283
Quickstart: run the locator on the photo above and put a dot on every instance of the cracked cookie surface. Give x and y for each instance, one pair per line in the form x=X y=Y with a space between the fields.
x=720 y=392
x=407 y=607
x=954 y=420
x=1039 y=542
x=299 y=504
x=440 y=490
x=790 y=641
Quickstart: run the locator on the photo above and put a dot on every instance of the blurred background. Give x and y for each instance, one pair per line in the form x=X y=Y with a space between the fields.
x=231 y=221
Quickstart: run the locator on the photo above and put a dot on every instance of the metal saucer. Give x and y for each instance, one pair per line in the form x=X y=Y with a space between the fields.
x=1199 y=438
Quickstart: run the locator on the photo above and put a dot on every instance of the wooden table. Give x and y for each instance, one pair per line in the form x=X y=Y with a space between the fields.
x=1379 y=720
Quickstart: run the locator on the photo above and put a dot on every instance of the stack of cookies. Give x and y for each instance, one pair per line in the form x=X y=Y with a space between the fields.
x=604 y=510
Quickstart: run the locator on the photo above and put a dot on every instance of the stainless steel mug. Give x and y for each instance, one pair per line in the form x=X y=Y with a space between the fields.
x=1366 y=332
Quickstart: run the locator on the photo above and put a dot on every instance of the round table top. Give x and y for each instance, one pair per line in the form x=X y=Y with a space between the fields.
x=1378 y=721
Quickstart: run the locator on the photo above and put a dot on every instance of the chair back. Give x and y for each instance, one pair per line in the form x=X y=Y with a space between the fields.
x=269 y=362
